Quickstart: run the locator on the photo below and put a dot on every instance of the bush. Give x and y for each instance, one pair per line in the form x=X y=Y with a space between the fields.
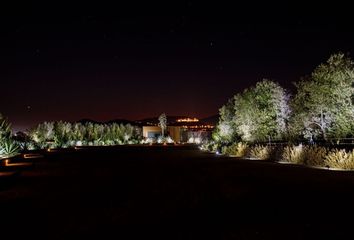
x=294 y=154
x=307 y=155
x=261 y=152
x=315 y=156
x=236 y=149
x=64 y=134
x=340 y=159
x=164 y=140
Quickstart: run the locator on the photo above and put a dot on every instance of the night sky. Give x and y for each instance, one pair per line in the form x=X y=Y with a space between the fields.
x=65 y=61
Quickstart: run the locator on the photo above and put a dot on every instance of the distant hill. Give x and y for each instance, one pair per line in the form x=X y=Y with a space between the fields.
x=87 y=120
x=212 y=120
x=118 y=121
x=155 y=120
x=122 y=121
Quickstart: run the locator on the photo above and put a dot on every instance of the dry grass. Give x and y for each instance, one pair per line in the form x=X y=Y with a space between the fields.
x=340 y=159
x=261 y=152
x=319 y=156
x=315 y=156
x=237 y=149
x=294 y=154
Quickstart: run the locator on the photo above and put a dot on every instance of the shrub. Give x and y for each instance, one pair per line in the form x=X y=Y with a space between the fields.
x=236 y=149
x=294 y=154
x=261 y=152
x=318 y=156
x=64 y=134
x=340 y=159
x=315 y=156
x=8 y=146
x=163 y=140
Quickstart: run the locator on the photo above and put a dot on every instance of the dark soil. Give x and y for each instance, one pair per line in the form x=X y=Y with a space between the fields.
x=167 y=192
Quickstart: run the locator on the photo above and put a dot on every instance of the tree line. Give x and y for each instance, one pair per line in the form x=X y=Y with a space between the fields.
x=320 y=109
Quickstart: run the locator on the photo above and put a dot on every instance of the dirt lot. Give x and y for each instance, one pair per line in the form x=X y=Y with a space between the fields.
x=168 y=192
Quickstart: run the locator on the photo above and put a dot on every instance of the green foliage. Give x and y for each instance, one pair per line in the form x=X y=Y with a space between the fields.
x=322 y=106
x=210 y=146
x=5 y=128
x=63 y=134
x=8 y=146
x=164 y=140
x=225 y=130
x=261 y=112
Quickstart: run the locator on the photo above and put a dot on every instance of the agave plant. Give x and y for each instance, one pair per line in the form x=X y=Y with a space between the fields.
x=9 y=148
x=5 y=128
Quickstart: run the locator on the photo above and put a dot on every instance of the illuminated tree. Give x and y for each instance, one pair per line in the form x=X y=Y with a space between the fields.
x=323 y=103
x=78 y=132
x=62 y=133
x=225 y=129
x=163 y=123
x=42 y=133
x=262 y=112
x=65 y=134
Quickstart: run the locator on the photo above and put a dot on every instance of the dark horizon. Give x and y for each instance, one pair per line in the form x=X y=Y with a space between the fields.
x=67 y=62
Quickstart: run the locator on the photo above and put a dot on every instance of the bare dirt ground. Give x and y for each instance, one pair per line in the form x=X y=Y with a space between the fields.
x=167 y=192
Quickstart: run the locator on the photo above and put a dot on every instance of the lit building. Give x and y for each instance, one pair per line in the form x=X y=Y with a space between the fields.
x=181 y=130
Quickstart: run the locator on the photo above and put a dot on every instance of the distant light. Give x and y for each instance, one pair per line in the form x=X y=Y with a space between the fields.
x=188 y=120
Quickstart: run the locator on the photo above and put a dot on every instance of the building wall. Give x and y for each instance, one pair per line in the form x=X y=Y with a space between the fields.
x=150 y=129
x=173 y=131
